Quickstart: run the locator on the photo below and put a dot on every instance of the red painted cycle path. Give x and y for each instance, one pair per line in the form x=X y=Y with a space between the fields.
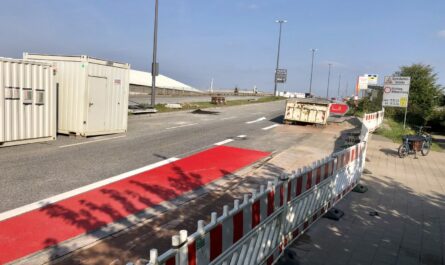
x=35 y=230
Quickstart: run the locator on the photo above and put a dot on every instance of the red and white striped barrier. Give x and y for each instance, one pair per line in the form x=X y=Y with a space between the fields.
x=372 y=121
x=257 y=230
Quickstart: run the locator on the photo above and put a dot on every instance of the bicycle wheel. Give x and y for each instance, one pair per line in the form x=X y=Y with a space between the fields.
x=426 y=147
x=403 y=151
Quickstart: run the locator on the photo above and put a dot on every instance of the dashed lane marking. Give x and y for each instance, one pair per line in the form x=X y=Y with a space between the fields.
x=257 y=120
x=270 y=127
x=224 y=142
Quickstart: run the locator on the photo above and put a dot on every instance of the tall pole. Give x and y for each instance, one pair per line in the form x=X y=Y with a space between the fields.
x=339 y=83
x=312 y=70
x=329 y=79
x=154 y=65
x=404 y=119
x=278 y=55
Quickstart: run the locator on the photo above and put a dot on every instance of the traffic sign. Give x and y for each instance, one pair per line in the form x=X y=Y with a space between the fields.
x=281 y=75
x=339 y=109
x=396 y=91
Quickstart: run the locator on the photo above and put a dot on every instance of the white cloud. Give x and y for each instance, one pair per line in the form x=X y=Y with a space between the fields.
x=441 y=34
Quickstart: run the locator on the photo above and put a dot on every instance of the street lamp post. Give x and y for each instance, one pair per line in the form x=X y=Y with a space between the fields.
x=312 y=70
x=339 y=82
x=154 y=65
x=329 y=78
x=278 y=54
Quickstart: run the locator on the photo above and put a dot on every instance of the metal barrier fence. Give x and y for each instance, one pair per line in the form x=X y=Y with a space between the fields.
x=256 y=230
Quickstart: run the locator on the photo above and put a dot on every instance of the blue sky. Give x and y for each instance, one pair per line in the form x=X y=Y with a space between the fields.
x=235 y=42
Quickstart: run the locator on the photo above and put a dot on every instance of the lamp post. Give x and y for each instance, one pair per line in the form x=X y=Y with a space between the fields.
x=154 y=65
x=329 y=77
x=312 y=70
x=278 y=54
x=339 y=82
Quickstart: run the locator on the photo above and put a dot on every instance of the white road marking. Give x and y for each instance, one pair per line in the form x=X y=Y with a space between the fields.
x=270 y=127
x=66 y=195
x=93 y=141
x=257 y=120
x=229 y=118
x=180 y=126
x=241 y=136
x=224 y=142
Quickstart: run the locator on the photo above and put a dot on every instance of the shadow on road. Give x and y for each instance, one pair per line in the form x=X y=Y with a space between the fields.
x=207 y=112
x=278 y=119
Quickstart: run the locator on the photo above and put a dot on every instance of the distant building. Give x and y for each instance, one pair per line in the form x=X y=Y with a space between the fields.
x=140 y=83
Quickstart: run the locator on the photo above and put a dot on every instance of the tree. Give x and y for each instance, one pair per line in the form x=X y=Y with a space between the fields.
x=424 y=92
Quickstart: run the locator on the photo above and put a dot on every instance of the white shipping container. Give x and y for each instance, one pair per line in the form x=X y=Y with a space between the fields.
x=27 y=102
x=92 y=94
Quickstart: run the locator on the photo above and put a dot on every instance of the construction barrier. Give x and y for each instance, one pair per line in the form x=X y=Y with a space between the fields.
x=258 y=229
x=372 y=121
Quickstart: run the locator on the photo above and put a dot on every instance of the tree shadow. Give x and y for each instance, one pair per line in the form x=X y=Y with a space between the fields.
x=91 y=216
x=156 y=232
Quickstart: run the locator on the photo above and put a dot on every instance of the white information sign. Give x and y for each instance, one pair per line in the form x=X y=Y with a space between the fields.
x=395 y=91
x=363 y=82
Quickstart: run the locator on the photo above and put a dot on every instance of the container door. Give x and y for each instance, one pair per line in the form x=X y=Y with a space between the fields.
x=97 y=114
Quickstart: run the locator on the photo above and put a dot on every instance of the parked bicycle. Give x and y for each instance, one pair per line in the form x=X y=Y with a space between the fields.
x=421 y=141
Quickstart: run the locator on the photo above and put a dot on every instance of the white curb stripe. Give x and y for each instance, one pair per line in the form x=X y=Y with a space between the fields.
x=72 y=193
x=93 y=141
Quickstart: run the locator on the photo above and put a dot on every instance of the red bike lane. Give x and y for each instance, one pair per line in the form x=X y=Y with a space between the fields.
x=38 y=229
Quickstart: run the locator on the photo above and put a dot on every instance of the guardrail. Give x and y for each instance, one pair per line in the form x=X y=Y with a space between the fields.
x=257 y=230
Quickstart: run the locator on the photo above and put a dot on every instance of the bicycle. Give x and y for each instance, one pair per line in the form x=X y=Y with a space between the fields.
x=421 y=141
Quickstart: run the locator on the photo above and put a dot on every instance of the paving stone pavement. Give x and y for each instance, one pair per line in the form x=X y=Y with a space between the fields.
x=408 y=195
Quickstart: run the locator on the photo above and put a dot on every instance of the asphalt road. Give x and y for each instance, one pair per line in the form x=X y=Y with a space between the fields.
x=34 y=172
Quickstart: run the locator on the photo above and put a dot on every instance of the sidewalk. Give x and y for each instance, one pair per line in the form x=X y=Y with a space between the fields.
x=408 y=195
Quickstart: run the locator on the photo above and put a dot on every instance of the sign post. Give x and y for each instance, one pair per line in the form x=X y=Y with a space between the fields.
x=396 y=92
